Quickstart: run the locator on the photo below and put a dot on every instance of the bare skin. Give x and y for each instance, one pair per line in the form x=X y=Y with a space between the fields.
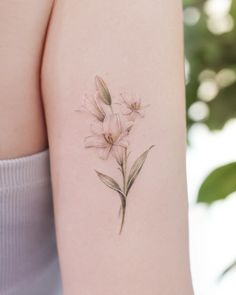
x=22 y=29
x=136 y=46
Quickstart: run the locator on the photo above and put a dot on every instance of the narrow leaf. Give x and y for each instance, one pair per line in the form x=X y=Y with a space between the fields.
x=218 y=185
x=228 y=269
x=103 y=91
x=110 y=182
x=136 y=168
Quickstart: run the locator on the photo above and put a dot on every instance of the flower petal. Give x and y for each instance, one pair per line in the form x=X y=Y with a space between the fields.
x=133 y=116
x=112 y=126
x=91 y=106
x=123 y=142
x=141 y=112
x=95 y=141
x=118 y=153
x=103 y=153
x=125 y=110
x=126 y=99
x=97 y=127
x=127 y=125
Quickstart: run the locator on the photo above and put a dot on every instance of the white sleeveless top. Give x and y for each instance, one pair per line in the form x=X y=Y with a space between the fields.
x=28 y=253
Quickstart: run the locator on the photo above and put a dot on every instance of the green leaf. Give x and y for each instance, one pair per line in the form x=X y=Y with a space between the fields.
x=218 y=185
x=189 y=2
x=110 y=182
x=228 y=269
x=136 y=168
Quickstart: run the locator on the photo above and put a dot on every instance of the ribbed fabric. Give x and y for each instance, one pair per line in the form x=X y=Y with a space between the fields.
x=28 y=253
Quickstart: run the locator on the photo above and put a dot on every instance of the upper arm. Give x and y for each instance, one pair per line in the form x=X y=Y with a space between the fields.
x=136 y=47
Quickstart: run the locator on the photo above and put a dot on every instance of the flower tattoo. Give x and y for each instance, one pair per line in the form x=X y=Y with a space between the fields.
x=110 y=130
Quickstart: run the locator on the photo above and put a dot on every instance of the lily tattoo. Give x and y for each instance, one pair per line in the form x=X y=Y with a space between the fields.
x=110 y=130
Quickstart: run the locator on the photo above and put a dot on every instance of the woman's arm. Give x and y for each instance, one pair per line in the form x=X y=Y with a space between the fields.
x=133 y=47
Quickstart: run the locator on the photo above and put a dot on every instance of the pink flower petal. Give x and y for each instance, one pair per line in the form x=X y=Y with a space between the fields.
x=132 y=107
x=127 y=125
x=95 y=141
x=118 y=153
x=112 y=126
x=126 y=99
x=123 y=143
x=97 y=127
x=91 y=106
x=141 y=112
x=103 y=153
x=106 y=124
x=133 y=116
x=125 y=110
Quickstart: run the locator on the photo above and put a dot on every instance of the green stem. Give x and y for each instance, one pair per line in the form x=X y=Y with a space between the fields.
x=123 y=207
x=111 y=109
x=123 y=167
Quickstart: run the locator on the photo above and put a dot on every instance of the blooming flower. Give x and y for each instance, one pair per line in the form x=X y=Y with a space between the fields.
x=94 y=107
x=111 y=135
x=132 y=107
x=110 y=132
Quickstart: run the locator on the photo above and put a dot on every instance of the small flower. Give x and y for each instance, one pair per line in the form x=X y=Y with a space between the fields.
x=132 y=107
x=93 y=106
x=102 y=89
x=111 y=135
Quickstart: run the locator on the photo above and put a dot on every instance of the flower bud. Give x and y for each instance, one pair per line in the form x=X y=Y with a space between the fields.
x=103 y=92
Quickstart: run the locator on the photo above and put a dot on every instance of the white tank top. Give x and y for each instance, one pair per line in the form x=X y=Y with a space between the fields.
x=28 y=253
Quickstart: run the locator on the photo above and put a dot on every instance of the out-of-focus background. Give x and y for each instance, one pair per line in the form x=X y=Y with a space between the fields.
x=210 y=51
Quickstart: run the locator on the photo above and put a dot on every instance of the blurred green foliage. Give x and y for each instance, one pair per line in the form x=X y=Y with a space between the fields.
x=209 y=54
x=206 y=50
x=219 y=184
x=210 y=51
